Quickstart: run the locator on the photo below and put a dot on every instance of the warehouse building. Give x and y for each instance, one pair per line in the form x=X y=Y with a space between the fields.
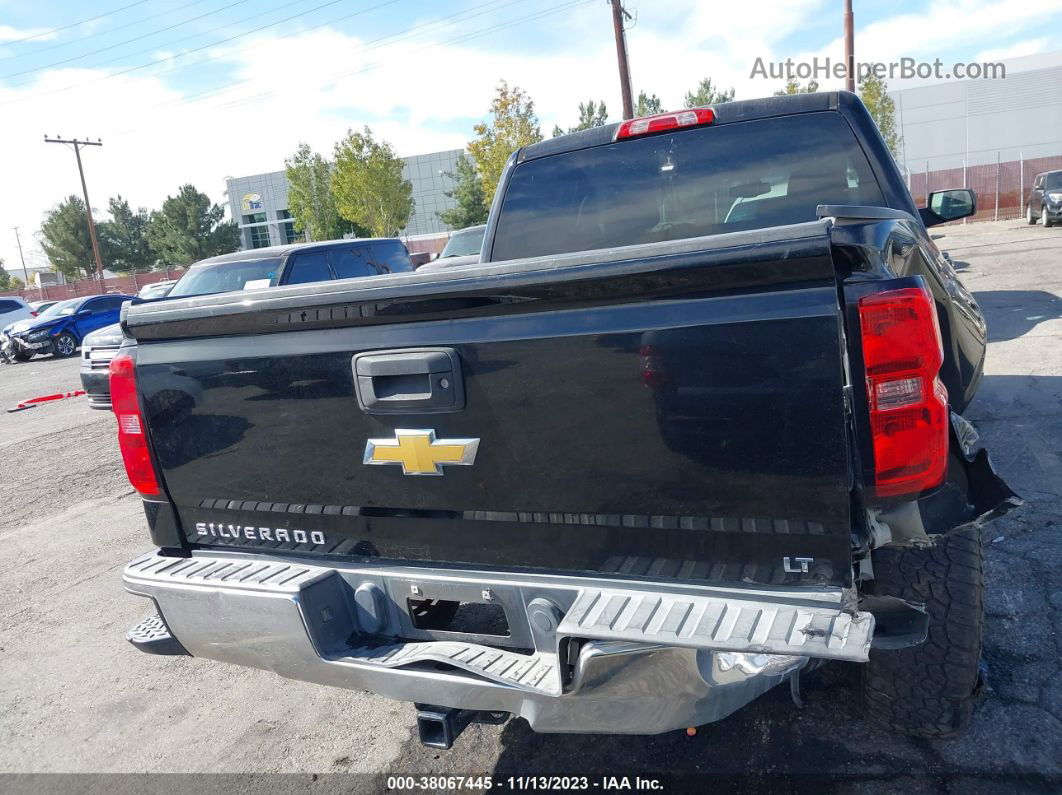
x=259 y=202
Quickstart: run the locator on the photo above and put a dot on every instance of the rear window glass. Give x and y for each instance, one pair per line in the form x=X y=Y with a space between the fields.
x=351 y=263
x=464 y=243
x=9 y=306
x=223 y=277
x=391 y=258
x=309 y=267
x=705 y=181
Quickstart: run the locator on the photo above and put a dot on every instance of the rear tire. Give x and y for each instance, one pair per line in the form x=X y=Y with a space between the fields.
x=1044 y=220
x=930 y=690
x=1028 y=215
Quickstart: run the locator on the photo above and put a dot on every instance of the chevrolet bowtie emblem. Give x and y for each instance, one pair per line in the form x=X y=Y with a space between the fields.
x=420 y=453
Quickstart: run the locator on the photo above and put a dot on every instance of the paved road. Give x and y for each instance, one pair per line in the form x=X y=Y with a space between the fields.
x=75 y=697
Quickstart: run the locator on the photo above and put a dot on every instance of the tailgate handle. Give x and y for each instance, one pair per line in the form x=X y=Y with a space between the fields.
x=409 y=381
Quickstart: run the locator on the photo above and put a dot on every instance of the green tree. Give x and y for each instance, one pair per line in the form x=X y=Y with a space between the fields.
x=647 y=105
x=368 y=186
x=793 y=86
x=707 y=94
x=513 y=124
x=471 y=206
x=310 y=198
x=65 y=239
x=591 y=114
x=189 y=228
x=873 y=91
x=124 y=239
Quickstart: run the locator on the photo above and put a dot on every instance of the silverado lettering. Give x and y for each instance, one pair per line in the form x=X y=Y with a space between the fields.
x=252 y=533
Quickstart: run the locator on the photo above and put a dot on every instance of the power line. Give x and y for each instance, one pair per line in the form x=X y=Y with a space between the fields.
x=164 y=45
x=187 y=52
x=75 y=24
x=465 y=37
x=39 y=50
x=409 y=33
x=122 y=43
x=372 y=44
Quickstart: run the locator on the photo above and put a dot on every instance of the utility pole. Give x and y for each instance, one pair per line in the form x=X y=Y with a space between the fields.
x=25 y=273
x=84 y=189
x=849 y=47
x=618 y=13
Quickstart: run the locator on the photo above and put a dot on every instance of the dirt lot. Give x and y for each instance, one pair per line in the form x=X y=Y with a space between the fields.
x=74 y=696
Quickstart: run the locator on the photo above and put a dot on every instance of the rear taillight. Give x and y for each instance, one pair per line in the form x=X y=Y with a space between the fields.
x=132 y=440
x=645 y=125
x=902 y=354
x=653 y=373
x=32 y=313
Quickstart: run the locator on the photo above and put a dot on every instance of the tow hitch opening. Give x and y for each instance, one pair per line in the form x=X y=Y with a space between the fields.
x=438 y=727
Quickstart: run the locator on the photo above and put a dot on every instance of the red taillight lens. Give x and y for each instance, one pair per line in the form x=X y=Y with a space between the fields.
x=653 y=373
x=131 y=439
x=694 y=117
x=32 y=313
x=902 y=353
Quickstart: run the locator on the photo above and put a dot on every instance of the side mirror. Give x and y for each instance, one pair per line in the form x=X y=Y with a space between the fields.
x=949 y=205
x=434 y=256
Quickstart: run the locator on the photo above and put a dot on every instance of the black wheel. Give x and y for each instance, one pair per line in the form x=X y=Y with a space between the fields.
x=1044 y=220
x=1028 y=215
x=65 y=345
x=929 y=690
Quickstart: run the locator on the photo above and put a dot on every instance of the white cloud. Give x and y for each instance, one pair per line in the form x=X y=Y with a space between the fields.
x=1016 y=50
x=418 y=96
x=9 y=34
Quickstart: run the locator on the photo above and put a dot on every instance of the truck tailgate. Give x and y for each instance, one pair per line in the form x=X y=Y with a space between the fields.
x=674 y=410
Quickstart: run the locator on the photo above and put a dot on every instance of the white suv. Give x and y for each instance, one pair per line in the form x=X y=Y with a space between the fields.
x=13 y=308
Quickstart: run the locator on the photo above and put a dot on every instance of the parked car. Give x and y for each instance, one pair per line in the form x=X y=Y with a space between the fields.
x=13 y=308
x=40 y=306
x=464 y=242
x=97 y=350
x=60 y=328
x=156 y=290
x=1045 y=199
x=461 y=249
x=294 y=264
x=648 y=460
x=297 y=263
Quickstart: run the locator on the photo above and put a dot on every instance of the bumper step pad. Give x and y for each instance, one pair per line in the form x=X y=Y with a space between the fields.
x=537 y=673
x=707 y=622
x=152 y=637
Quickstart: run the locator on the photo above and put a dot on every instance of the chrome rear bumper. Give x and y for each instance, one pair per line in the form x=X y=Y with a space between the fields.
x=645 y=659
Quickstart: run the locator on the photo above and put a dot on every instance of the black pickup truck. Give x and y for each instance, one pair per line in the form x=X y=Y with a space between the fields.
x=690 y=429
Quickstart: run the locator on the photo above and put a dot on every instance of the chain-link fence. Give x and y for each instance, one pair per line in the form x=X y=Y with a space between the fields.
x=1002 y=187
x=127 y=285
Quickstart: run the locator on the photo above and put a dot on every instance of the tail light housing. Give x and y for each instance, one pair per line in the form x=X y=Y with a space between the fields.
x=653 y=372
x=132 y=438
x=902 y=355
x=646 y=125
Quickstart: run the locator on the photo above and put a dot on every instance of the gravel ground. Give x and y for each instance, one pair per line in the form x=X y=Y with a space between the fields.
x=75 y=697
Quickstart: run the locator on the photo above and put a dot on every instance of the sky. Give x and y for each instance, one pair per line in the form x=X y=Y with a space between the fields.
x=193 y=91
